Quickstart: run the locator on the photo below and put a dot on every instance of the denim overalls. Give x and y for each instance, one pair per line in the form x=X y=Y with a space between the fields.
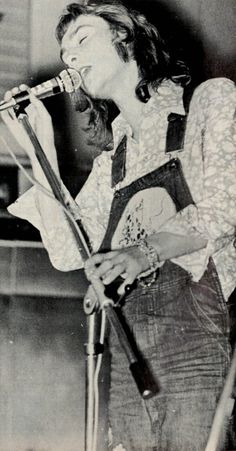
x=181 y=329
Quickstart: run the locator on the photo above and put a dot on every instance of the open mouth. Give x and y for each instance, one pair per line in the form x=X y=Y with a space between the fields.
x=83 y=71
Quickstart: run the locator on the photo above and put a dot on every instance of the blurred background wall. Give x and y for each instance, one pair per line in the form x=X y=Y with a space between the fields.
x=42 y=324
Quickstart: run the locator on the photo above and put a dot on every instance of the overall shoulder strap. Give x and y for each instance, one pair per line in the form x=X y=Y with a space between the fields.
x=177 y=125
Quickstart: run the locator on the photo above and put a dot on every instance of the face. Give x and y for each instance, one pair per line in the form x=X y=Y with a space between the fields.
x=88 y=48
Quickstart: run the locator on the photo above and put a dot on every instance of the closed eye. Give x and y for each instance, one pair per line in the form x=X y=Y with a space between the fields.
x=82 y=39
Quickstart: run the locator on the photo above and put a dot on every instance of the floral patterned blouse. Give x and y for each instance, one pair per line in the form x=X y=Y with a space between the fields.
x=209 y=166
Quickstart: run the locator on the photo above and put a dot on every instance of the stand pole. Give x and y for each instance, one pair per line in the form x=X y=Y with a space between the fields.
x=89 y=419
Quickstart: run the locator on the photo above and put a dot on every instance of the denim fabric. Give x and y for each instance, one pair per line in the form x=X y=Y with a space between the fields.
x=118 y=163
x=181 y=330
x=168 y=176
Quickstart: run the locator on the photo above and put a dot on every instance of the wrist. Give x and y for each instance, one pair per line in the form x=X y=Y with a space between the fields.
x=152 y=257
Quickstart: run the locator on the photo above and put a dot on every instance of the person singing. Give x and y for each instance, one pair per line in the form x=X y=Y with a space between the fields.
x=159 y=208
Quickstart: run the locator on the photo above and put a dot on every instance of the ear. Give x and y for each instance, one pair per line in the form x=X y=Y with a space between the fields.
x=123 y=45
x=119 y=36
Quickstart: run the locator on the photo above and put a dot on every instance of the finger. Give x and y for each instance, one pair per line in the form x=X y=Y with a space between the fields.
x=15 y=90
x=38 y=117
x=24 y=87
x=111 y=254
x=104 y=268
x=94 y=260
x=31 y=109
x=90 y=273
x=41 y=109
x=118 y=257
x=37 y=103
x=114 y=273
x=32 y=113
x=7 y=96
x=32 y=116
x=93 y=264
x=110 y=260
x=97 y=259
x=128 y=281
x=90 y=266
x=35 y=100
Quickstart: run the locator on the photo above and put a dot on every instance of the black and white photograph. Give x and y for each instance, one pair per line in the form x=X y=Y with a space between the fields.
x=118 y=225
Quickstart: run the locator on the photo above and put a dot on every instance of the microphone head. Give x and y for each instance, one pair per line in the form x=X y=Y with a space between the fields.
x=70 y=79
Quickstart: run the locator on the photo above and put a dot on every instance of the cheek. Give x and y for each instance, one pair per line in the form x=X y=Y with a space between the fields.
x=106 y=51
x=106 y=63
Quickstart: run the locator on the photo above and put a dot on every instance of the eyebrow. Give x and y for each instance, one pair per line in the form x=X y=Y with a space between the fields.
x=72 y=34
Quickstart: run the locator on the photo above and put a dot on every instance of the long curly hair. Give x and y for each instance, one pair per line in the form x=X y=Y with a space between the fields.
x=141 y=42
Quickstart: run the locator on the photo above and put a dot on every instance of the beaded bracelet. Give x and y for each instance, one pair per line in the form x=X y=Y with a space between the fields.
x=153 y=259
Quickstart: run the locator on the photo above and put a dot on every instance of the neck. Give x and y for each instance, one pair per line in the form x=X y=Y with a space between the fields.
x=125 y=98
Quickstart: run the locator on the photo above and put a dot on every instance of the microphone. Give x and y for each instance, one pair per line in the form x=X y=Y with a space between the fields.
x=68 y=80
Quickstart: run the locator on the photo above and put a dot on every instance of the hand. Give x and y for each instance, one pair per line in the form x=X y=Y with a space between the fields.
x=128 y=262
x=39 y=119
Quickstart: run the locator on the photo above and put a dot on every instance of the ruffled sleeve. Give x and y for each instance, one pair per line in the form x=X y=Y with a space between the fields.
x=213 y=215
x=57 y=238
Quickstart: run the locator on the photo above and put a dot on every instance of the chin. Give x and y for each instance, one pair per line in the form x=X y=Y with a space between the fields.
x=91 y=92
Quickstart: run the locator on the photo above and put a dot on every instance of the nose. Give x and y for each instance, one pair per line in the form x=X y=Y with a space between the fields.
x=72 y=60
x=69 y=56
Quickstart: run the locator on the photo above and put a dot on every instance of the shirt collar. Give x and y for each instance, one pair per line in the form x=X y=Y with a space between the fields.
x=168 y=98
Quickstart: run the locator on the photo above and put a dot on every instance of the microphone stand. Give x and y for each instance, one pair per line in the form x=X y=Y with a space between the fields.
x=143 y=378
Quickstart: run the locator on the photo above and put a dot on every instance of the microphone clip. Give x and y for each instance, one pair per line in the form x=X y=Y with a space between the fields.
x=19 y=108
